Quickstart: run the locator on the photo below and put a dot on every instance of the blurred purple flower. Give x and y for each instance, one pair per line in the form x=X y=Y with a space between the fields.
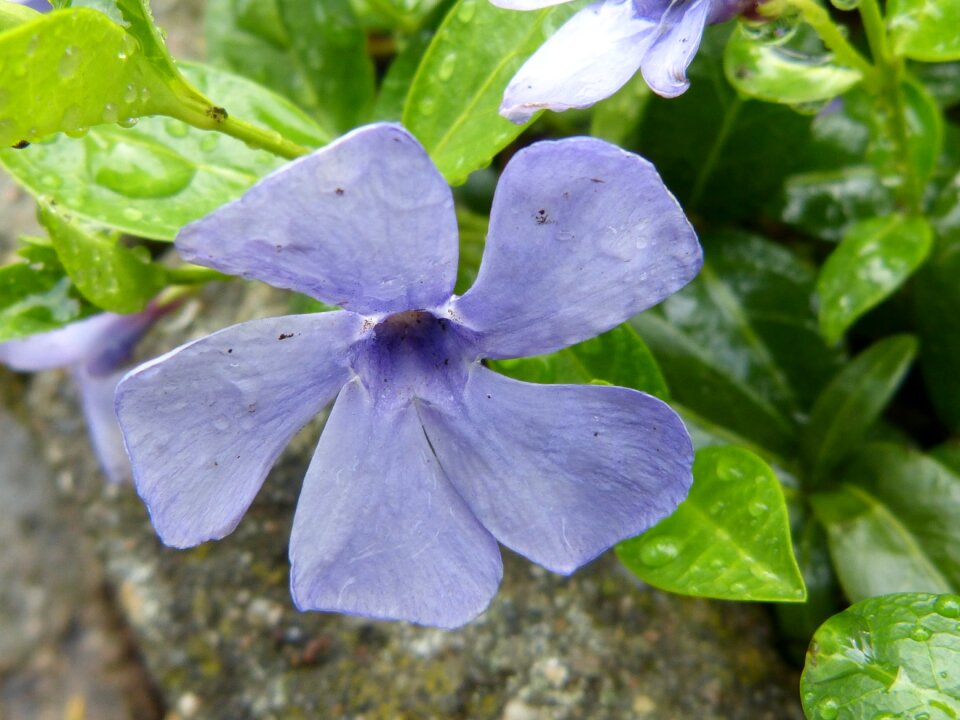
x=93 y=350
x=38 y=5
x=428 y=458
x=603 y=45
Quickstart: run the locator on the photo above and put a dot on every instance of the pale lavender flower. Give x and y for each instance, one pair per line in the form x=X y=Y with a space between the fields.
x=38 y=5
x=428 y=457
x=94 y=350
x=603 y=45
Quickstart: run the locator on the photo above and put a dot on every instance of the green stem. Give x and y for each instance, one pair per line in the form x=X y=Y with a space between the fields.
x=890 y=73
x=819 y=19
x=194 y=275
x=196 y=110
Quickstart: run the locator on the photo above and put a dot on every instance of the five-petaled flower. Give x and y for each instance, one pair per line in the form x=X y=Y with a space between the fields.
x=428 y=458
x=603 y=45
x=94 y=350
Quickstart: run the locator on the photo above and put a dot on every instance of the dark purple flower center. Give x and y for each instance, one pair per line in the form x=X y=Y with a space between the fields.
x=414 y=354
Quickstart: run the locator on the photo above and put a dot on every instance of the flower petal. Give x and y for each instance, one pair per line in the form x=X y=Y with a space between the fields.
x=97 y=394
x=204 y=423
x=366 y=222
x=665 y=63
x=69 y=345
x=589 y=58
x=380 y=531
x=559 y=473
x=583 y=235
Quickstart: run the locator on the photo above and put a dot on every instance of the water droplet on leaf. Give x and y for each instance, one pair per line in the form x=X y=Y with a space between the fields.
x=948 y=606
x=828 y=709
x=69 y=62
x=658 y=551
x=467 y=10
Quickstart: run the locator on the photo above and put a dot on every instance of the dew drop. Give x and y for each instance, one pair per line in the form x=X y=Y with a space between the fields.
x=130 y=93
x=659 y=550
x=71 y=121
x=467 y=10
x=175 y=128
x=209 y=142
x=69 y=62
x=110 y=113
x=427 y=106
x=728 y=470
x=128 y=47
x=132 y=214
x=51 y=181
x=828 y=709
x=757 y=508
x=222 y=423
x=445 y=71
x=128 y=122
x=948 y=606
x=920 y=633
x=738 y=588
x=144 y=94
x=32 y=45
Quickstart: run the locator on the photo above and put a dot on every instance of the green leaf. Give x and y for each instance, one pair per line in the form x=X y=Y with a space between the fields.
x=874 y=259
x=35 y=295
x=399 y=76
x=767 y=71
x=874 y=552
x=924 y=128
x=109 y=275
x=453 y=104
x=314 y=53
x=90 y=71
x=153 y=179
x=925 y=30
x=937 y=313
x=618 y=357
x=714 y=148
x=853 y=401
x=13 y=14
x=615 y=119
x=739 y=346
x=730 y=539
x=886 y=658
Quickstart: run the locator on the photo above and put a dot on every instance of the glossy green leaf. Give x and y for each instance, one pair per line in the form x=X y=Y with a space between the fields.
x=886 y=658
x=873 y=551
x=109 y=275
x=739 y=346
x=453 y=104
x=874 y=258
x=937 y=313
x=715 y=149
x=73 y=69
x=618 y=357
x=852 y=403
x=399 y=76
x=153 y=179
x=35 y=294
x=767 y=71
x=925 y=29
x=730 y=539
x=314 y=53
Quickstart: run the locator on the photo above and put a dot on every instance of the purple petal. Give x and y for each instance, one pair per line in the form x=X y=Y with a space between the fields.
x=379 y=530
x=589 y=58
x=366 y=222
x=560 y=473
x=204 y=423
x=665 y=63
x=69 y=345
x=583 y=235
x=97 y=394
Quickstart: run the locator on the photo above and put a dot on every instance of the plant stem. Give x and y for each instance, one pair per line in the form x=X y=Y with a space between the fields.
x=890 y=73
x=196 y=110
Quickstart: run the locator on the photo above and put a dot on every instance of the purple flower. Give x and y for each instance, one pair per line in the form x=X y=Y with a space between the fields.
x=428 y=458
x=93 y=350
x=38 y=5
x=602 y=46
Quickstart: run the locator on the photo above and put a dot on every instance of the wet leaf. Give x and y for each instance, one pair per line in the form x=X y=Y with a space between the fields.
x=925 y=29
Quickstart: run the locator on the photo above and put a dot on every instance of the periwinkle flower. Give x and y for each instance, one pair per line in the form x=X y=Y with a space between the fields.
x=604 y=44
x=428 y=458
x=94 y=350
